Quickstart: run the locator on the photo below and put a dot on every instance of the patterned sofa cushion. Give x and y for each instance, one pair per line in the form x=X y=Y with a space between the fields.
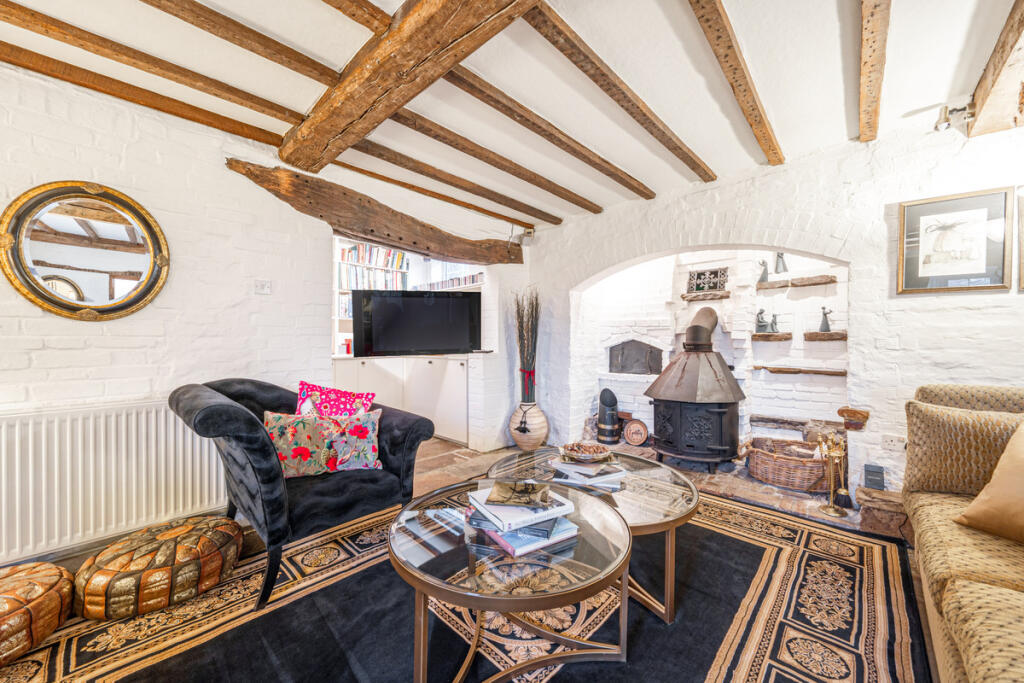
x=949 y=551
x=952 y=450
x=973 y=397
x=986 y=623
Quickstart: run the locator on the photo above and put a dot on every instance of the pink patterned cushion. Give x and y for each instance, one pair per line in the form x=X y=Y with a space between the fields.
x=328 y=402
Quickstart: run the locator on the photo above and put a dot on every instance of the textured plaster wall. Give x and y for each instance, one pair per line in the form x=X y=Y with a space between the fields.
x=223 y=233
x=840 y=204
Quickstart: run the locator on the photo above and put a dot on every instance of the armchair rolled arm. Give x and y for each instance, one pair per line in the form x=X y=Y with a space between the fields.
x=399 y=436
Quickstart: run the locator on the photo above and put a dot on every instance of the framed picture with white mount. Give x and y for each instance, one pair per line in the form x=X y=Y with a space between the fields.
x=956 y=243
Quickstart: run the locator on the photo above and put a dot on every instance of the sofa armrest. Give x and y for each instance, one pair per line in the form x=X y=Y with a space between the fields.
x=973 y=397
x=399 y=436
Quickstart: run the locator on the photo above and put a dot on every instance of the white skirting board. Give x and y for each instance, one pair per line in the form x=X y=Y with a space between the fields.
x=69 y=478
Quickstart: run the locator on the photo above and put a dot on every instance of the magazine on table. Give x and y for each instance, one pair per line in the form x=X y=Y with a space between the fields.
x=598 y=474
x=477 y=520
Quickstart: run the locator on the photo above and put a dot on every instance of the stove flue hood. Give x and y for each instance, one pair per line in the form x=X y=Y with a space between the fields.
x=699 y=374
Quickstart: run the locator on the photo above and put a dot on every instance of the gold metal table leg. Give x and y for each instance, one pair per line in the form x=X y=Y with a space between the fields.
x=666 y=607
x=420 y=615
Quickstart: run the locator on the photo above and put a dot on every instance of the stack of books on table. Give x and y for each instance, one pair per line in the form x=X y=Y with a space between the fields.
x=607 y=475
x=523 y=517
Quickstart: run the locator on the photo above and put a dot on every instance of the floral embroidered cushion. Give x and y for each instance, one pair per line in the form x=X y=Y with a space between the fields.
x=303 y=442
x=328 y=402
x=355 y=448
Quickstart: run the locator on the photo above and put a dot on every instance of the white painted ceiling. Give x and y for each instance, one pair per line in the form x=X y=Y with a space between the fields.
x=803 y=56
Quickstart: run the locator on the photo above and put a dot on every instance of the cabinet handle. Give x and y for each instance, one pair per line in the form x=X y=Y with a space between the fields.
x=461 y=364
x=430 y=362
x=362 y=362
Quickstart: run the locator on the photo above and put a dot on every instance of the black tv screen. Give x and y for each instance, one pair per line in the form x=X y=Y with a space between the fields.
x=408 y=323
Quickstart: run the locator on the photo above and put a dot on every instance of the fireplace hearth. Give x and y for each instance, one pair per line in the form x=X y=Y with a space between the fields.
x=696 y=400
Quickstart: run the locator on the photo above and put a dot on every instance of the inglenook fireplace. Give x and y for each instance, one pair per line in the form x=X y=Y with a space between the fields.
x=696 y=400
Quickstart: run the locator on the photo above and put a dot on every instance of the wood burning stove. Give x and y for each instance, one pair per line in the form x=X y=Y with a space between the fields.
x=696 y=400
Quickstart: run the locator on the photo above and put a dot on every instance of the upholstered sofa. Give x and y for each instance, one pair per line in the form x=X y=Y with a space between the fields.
x=230 y=411
x=973 y=581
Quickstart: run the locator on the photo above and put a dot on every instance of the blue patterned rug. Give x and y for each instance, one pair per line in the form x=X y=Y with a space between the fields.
x=763 y=596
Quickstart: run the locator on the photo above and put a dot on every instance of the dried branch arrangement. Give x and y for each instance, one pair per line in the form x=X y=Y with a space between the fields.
x=527 y=319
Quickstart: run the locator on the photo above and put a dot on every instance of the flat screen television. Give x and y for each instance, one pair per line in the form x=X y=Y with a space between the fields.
x=388 y=323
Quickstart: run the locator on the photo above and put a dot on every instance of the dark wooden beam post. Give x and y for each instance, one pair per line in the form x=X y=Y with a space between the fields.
x=358 y=216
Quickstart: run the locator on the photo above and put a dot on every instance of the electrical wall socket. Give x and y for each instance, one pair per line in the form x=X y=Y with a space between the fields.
x=893 y=442
x=262 y=287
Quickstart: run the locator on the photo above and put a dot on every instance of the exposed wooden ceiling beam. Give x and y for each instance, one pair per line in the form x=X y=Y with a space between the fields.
x=74 y=209
x=72 y=240
x=211 y=21
x=354 y=215
x=449 y=137
x=874 y=31
x=119 y=274
x=377 y=20
x=474 y=85
x=363 y=12
x=42 y=24
x=436 y=195
x=999 y=96
x=383 y=153
x=426 y=38
x=33 y=61
x=557 y=32
x=718 y=30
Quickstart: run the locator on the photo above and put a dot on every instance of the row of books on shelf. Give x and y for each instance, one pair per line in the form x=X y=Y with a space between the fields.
x=378 y=257
x=344 y=305
x=453 y=282
x=357 y=277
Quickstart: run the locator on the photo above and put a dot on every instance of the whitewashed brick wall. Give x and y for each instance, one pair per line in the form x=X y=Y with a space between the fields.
x=223 y=232
x=840 y=204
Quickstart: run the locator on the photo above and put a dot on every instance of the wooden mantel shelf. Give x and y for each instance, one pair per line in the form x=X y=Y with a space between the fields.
x=778 y=370
x=771 y=336
x=705 y=296
x=834 y=335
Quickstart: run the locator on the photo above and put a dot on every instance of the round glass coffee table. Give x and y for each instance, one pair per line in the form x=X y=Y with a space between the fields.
x=652 y=498
x=441 y=556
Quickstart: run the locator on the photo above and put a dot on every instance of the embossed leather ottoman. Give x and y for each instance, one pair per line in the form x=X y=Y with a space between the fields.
x=35 y=599
x=156 y=567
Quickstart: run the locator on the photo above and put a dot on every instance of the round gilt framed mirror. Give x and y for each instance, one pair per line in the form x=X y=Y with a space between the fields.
x=82 y=250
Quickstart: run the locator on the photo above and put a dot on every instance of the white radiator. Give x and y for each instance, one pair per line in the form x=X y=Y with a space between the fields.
x=70 y=478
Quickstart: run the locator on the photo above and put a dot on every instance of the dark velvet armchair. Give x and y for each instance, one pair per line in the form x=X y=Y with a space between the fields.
x=230 y=411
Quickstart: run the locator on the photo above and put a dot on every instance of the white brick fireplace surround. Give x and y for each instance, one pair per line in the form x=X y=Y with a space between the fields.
x=840 y=204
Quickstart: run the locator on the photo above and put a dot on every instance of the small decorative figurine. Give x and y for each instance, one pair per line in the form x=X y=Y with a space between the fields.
x=764 y=271
x=774 y=327
x=762 y=324
x=780 y=263
x=825 y=326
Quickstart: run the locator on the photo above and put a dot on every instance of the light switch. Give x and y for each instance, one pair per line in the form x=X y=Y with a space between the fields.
x=262 y=286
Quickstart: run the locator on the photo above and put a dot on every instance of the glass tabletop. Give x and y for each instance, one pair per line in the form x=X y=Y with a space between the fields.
x=431 y=542
x=651 y=496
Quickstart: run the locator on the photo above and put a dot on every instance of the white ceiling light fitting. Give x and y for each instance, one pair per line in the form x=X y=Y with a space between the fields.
x=959 y=115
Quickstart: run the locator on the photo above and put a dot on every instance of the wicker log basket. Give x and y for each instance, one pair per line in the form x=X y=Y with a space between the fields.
x=786 y=463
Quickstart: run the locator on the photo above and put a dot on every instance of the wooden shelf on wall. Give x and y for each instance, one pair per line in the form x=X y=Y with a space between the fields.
x=774 y=284
x=780 y=370
x=834 y=335
x=799 y=282
x=814 y=280
x=771 y=336
x=705 y=296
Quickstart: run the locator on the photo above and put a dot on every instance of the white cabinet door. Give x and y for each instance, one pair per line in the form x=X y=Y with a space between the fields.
x=423 y=386
x=385 y=377
x=346 y=374
x=451 y=421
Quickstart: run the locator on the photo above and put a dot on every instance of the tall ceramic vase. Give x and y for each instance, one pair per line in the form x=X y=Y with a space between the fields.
x=528 y=426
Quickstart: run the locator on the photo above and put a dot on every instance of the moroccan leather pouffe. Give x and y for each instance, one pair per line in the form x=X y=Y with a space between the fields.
x=35 y=599
x=156 y=567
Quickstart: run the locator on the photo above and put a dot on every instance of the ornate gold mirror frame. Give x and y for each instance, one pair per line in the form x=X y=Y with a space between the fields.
x=142 y=234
